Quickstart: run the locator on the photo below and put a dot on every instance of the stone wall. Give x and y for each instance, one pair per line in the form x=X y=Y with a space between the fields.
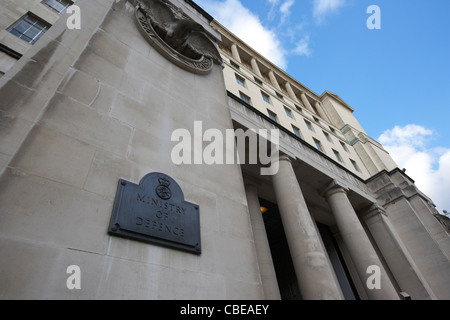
x=82 y=109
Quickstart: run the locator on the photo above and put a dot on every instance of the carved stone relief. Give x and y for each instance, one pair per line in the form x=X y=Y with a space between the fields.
x=176 y=36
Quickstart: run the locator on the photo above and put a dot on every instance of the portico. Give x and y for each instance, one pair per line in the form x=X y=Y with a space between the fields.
x=319 y=208
x=318 y=275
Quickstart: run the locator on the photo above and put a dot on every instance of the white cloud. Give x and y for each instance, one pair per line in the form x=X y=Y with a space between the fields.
x=302 y=47
x=428 y=166
x=285 y=10
x=321 y=8
x=247 y=26
x=286 y=6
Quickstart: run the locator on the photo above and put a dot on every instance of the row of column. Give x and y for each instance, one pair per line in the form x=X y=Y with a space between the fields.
x=314 y=271
x=273 y=80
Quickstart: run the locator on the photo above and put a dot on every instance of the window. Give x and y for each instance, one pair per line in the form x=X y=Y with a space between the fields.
x=318 y=145
x=240 y=80
x=234 y=64
x=280 y=96
x=337 y=155
x=258 y=81
x=8 y=58
x=288 y=113
x=244 y=97
x=265 y=97
x=272 y=115
x=29 y=28
x=327 y=136
x=297 y=131
x=58 y=5
x=344 y=146
x=309 y=125
x=355 y=165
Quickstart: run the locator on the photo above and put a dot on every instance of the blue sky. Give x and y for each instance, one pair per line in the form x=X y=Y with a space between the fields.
x=397 y=78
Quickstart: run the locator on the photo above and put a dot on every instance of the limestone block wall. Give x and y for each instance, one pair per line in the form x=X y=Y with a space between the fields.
x=82 y=109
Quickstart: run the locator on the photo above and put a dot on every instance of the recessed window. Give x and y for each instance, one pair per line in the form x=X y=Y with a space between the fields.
x=309 y=125
x=272 y=115
x=288 y=113
x=234 y=64
x=355 y=165
x=318 y=145
x=58 y=6
x=258 y=81
x=265 y=97
x=8 y=57
x=29 y=28
x=296 y=131
x=337 y=155
x=240 y=80
x=344 y=146
x=327 y=136
x=244 y=97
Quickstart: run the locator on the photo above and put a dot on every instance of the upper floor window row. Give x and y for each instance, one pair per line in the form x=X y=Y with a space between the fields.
x=29 y=28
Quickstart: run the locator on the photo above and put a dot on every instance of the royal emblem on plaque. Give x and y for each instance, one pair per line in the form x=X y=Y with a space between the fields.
x=163 y=190
x=176 y=36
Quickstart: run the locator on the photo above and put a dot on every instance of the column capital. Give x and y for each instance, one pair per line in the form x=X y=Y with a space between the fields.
x=374 y=210
x=284 y=157
x=333 y=188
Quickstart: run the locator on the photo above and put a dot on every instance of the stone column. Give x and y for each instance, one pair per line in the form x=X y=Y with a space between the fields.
x=397 y=257
x=314 y=272
x=266 y=268
x=255 y=67
x=306 y=102
x=358 y=244
x=291 y=92
x=235 y=53
x=274 y=80
x=321 y=112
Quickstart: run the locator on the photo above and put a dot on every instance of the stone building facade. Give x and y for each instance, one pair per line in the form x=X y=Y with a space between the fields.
x=85 y=111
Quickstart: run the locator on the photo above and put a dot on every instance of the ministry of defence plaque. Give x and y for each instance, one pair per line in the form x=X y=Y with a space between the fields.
x=155 y=212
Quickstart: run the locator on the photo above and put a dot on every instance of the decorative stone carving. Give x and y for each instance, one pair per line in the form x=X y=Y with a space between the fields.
x=176 y=36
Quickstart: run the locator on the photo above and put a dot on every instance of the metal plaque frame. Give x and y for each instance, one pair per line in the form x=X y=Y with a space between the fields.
x=155 y=212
